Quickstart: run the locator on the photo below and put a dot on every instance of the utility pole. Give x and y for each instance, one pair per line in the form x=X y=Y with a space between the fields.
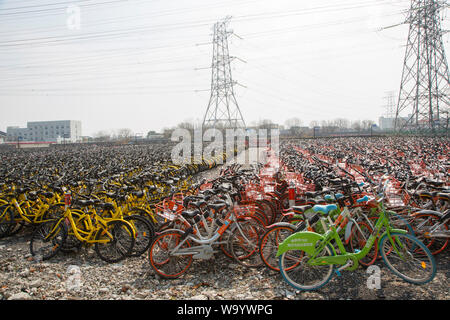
x=425 y=88
x=223 y=110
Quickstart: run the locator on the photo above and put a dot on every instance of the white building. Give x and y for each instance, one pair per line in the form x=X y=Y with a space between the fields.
x=3 y=136
x=49 y=131
x=386 y=123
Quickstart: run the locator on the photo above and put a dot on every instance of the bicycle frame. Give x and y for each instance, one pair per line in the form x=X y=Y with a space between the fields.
x=307 y=241
x=93 y=228
x=35 y=217
x=203 y=251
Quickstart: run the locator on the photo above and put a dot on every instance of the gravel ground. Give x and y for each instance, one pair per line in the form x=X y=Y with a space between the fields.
x=220 y=279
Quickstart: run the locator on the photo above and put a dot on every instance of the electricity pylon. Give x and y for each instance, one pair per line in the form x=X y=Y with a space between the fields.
x=223 y=110
x=424 y=97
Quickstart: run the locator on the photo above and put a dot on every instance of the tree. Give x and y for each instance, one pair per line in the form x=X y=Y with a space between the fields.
x=313 y=124
x=341 y=123
x=167 y=132
x=102 y=135
x=123 y=133
x=267 y=124
x=367 y=124
x=356 y=125
x=293 y=122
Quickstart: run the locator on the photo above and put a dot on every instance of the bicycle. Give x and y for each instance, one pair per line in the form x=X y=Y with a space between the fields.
x=307 y=260
x=172 y=252
x=113 y=239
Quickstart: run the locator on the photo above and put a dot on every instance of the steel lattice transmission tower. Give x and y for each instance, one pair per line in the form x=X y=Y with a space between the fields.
x=424 y=97
x=223 y=110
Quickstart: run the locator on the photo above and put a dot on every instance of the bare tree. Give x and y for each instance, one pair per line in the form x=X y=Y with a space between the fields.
x=313 y=124
x=102 y=135
x=267 y=124
x=356 y=125
x=341 y=123
x=293 y=122
x=367 y=124
x=124 y=133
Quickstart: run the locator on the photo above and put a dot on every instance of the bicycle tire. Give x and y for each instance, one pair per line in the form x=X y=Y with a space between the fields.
x=422 y=223
x=51 y=239
x=6 y=221
x=244 y=245
x=269 y=243
x=393 y=262
x=144 y=234
x=292 y=266
x=161 y=261
x=120 y=244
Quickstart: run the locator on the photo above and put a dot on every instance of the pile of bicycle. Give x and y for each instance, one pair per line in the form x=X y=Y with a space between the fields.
x=315 y=210
x=102 y=197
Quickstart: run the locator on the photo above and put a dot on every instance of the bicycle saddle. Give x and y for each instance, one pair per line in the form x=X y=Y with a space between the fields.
x=325 y=209
x=138 y=194
x=106 y=206
x=197 y=204
x=363 y=199
x=217 y=206
x=312 y=194
x=301 y=209
x=190 y=214
x=84 y=203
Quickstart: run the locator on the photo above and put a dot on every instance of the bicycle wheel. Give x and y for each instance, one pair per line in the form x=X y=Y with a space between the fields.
x=358 y=239
x=17 y=224
x=302 y=276
x=6 y=221
x=115 y=242
x=72 y=243
x=47 y=239
x=408 y=258
x=244 y=242
x=144 y=234
x=162 y=261
x=269 y=242
x=224 y=241
x=425 y=225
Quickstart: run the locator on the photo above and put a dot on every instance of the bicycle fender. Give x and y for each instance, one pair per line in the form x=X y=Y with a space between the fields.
x=279 y=224
x=304 y=240
x=348 y=231
x=431 y=212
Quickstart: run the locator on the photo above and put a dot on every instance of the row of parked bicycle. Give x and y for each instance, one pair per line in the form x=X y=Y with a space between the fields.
x=315 y=209
x=309 y=215
x=100 y=196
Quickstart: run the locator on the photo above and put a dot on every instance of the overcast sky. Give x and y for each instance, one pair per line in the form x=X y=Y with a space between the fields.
x=143 y=64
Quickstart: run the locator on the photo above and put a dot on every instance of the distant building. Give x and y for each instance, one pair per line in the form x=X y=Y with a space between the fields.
x=388 y=123
x=16 y=134
x=155 y=136
x=3 y=136
x=48 y=131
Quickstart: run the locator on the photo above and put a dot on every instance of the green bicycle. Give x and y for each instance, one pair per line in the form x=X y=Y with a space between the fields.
x=308 y=260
